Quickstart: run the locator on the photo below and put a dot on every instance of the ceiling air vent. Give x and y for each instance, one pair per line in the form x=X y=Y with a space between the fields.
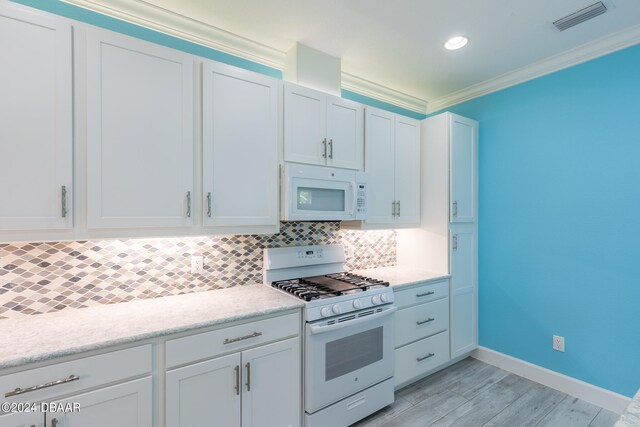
x=580 y=16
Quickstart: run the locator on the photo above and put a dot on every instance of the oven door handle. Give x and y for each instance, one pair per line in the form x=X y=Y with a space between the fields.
x=321 y=329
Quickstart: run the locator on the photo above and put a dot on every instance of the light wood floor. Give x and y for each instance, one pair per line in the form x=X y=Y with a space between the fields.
x=474 y=394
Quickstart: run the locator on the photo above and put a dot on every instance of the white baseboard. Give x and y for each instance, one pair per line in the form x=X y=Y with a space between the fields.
x=595 y=395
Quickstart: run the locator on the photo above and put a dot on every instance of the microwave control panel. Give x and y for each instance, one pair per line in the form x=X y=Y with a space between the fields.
x=361 y=198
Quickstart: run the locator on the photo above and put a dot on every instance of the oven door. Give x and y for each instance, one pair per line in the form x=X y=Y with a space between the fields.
x=315 y=193
x=346 y=354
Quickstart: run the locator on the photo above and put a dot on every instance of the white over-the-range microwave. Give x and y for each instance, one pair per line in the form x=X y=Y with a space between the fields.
x=321 y=193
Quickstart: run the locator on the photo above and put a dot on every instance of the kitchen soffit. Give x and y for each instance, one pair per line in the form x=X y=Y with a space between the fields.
x=397 y=44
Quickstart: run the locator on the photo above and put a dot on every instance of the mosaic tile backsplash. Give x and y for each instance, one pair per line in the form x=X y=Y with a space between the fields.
x=38 y=278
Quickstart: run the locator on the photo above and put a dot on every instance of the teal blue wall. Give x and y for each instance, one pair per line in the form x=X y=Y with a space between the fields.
x=559 y=220
x=83 y=15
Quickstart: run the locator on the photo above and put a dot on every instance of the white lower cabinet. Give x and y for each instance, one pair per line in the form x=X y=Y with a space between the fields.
x=22 y=419
x=205 y=393
x=422 y=331
x=123 y=405
x=258 y=384
x=464 y=296
x=121 y=391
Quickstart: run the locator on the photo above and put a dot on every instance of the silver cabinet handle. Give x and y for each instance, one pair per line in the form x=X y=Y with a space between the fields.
x=455 y=208
x=54 y=422
x=422 y=322
x=246 y=337
x=324 y=148
x=188 y=204
x=19 y=390
x=393 y=209
x=64 y=201
x=237 y=369
x=331 y=148
x=426 y=294
x=209 y=204
x=248 y=383
x=420 y=359
x=455 y=243
x=398 y=208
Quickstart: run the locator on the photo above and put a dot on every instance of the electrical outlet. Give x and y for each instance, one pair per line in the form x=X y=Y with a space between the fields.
x=558 y=343
x=350 y=253
x=197 y=264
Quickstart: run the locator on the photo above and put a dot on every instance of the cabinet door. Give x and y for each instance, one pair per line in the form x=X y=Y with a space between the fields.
x=305 y=124
x=344 y=133
x=271 y=385
x=464 y=298
x=123 y=405
x=407 y=170
x=22 y=419
x=204 y=394
x=464 y=137
x=380 y=165
x=140 y=133
x=240 y=134
x=35 y=120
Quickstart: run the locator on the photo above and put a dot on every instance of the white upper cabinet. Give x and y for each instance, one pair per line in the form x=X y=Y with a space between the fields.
x=36 y=157
x=407 y=167
x=380 y=165
x=321 y=129
x=344 y=133
x=392 y=167
x=463 y=146
x=240 y=147
x=140 y=133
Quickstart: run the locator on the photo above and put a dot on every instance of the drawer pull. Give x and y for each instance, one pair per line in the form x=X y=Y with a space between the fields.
x=422 y=322
x=19 y=390
x=420 y=359
x=426 y=294
x=246 y=337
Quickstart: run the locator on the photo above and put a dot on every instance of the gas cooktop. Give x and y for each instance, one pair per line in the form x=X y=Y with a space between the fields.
x=328 y=286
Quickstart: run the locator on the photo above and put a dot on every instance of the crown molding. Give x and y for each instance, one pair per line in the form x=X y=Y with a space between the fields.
x=142 y=13
x=156 y=18
x=578 y=55
x=383 y=93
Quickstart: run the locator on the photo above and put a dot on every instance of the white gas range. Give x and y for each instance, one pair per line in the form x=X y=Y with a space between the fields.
x=348 y=333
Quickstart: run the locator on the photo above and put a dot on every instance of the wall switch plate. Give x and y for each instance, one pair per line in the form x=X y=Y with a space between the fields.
x=197 y=264
x=350 y=253
x=558 y=343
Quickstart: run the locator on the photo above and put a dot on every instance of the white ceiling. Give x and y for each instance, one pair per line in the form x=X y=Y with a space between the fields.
x=399 y=44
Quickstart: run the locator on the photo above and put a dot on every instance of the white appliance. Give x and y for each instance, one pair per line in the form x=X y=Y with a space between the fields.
x=348 y=333
x=321 y=193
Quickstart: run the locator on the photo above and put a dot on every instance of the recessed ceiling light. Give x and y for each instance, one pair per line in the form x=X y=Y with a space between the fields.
x=456 y=42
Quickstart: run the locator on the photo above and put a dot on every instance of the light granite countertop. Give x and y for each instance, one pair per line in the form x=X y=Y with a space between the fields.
x=402 y=276
x=67 y=332
x=631 y=416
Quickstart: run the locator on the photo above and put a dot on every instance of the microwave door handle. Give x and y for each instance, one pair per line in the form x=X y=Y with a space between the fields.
x=320 y=329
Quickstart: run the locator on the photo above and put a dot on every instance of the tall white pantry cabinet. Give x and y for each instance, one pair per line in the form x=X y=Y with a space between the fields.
x=447 y=240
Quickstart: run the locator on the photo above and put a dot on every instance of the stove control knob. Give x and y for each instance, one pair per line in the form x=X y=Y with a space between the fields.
x=325 y=312
x=384 y=298
x=375 y=300
x=357 y=304
x=336 y=309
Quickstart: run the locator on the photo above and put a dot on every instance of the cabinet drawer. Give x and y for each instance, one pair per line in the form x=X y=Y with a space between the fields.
x=181 y=351
x=91 y=371
x=423 y=293
x=421 y=321
x=416 y=359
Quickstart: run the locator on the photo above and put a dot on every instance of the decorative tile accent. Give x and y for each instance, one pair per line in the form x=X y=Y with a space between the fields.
x=38 y=278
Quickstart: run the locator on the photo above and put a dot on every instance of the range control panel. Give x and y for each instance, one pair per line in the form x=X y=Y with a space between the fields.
x=310 y=254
